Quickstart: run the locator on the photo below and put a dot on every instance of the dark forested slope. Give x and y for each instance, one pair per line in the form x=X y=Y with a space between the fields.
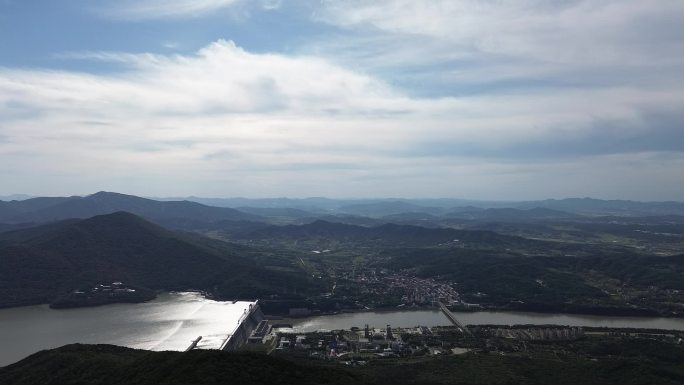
x=623 y=362
x=166 y=213
x=40 y=263
x=106 y=364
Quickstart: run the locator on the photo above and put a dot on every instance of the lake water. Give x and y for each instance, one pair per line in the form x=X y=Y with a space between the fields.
x=407 y=318
x=169 y=322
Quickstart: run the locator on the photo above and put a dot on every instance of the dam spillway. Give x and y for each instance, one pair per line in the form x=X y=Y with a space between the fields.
x=246 y=324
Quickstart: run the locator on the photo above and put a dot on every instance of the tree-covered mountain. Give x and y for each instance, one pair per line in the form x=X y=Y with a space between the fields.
x=384 y=208
x=384 y=235
x=607 y=207
x=392 y=206
x=276 y=212
x=591 y=362
x=511 y=214
x=165 y=213
x=40 y=263
x=107 y=364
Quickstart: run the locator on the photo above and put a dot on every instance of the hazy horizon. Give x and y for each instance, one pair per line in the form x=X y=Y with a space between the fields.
x=20 y=196
x=488 y=100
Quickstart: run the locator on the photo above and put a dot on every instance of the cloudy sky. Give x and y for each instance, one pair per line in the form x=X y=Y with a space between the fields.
x=480 y=99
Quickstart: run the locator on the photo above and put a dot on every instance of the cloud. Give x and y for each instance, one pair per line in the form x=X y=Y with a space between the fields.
x=164 y=113
x=571 y=31
x=272 y=4
x=226 y=121
x=159 y=9
x=142 y=10
x=451 y=47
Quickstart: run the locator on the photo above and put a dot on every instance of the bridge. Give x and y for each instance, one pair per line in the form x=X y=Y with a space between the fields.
x=453 y=318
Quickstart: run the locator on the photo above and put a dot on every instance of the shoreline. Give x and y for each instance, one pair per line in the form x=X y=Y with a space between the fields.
x=434 y=317
x=606 y=312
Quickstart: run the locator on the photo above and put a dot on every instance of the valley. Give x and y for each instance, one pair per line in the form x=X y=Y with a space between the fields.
x=536 y=288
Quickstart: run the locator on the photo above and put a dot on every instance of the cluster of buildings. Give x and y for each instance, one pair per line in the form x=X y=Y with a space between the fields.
x=354 y=346
x=340 y=344
x=421 y=291
x=532 y=333
x=406 y=288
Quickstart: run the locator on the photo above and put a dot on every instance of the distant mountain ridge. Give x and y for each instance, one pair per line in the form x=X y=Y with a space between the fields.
x=608 y=207
x=382 y=207
x=15 y=197
x=40 y=210
x=384 y=235
x=189 y=214
x=511 y=214
x=389 y=207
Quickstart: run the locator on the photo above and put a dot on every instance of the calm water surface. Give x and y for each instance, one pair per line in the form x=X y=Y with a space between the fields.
x=437 y=318
x=169 y=322
x=173 y=320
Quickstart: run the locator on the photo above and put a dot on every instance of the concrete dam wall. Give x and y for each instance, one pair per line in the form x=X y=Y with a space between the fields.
x=247 y=323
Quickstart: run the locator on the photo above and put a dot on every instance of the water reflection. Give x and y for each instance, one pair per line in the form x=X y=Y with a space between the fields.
x=170 y=322
x=437 y=318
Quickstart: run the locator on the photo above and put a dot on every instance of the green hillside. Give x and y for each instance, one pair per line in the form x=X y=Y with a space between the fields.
x=589 y=363
x=41 y=263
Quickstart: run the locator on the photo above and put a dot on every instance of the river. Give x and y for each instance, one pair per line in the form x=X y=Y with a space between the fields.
x=173 y=320
x=409 y=318
x=170 y=322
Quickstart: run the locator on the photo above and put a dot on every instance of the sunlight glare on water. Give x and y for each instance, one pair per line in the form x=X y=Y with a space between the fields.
x=170 y=322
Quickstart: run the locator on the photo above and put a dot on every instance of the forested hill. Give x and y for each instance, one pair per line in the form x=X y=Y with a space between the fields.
x=107 y=364
x=618 y=362
x=387 y=234
x=40 y=210
x=37 y=264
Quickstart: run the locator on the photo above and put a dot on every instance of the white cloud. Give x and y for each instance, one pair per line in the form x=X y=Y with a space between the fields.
x=158 y=9
x=272 y=4
x=226 y=121
x=572 y=31
x=178 y=9
x=456 y=47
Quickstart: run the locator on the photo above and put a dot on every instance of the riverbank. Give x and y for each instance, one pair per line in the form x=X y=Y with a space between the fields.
x=569 y=310
x=589 y=310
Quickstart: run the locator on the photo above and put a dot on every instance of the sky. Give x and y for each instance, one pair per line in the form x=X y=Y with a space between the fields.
x=477 y=99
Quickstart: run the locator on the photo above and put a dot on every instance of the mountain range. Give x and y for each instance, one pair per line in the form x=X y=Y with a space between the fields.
x=386 y=235
x=390 y=206
x=40 y=210
x=192 y=213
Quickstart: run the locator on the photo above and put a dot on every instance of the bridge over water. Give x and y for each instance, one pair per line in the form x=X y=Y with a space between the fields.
x=453 y=318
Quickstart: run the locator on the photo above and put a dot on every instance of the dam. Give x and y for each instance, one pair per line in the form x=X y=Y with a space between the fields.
x=249 y=321
x=237 y=334
x=172 y=321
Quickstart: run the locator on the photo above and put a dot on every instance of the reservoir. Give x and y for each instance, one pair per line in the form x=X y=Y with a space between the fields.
x=173 y=320
x=170 y=322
